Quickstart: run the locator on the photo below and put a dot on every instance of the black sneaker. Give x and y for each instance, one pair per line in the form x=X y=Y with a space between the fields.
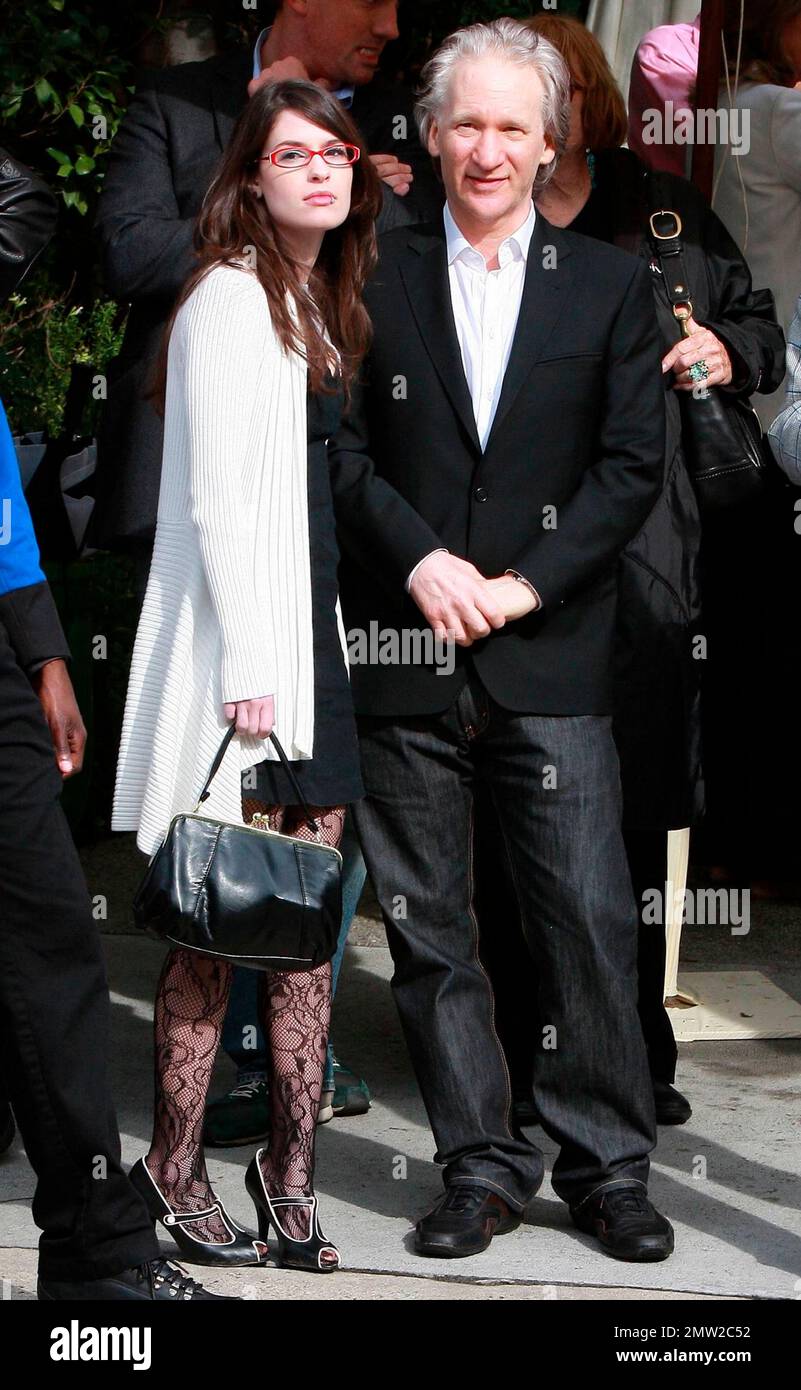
x=625 y=1224
x=463 y=1222
x=159 y=1280
x=672 y=1108
x=240 y=1117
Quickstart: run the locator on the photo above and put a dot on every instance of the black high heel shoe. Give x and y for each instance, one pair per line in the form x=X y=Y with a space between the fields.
x=304 y=1254
x=241 y=1248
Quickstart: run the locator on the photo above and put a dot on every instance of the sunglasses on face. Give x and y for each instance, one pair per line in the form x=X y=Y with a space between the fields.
x=298 y=157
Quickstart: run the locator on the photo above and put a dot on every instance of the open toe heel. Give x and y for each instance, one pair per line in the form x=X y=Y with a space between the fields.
x=239 y=1247
x=306 y=1254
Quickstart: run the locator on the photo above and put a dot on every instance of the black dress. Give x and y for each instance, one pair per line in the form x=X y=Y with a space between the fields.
x=332 y=776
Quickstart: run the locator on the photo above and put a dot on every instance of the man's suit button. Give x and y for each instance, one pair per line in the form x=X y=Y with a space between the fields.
x=481 y=494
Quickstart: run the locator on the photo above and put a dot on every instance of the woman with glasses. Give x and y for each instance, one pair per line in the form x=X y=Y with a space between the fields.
x=241 y=622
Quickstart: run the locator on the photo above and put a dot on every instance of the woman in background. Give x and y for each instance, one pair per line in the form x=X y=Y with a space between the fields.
x=757 y=193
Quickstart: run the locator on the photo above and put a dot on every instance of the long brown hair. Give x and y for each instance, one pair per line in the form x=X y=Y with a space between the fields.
x=233 y=224
x=763 y=57
x=604 y=117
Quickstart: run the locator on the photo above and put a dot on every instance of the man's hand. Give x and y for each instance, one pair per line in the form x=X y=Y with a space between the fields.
x=54 y=688
x=253 y=716
x=282 y=70
x=701 y=346
x=455 y=599
x=515 y=599
x=399 y=177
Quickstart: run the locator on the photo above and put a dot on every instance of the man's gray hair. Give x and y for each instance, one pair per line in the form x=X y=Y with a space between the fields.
x=515 y=42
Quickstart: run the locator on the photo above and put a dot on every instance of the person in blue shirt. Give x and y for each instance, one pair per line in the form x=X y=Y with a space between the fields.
x=97 y=1240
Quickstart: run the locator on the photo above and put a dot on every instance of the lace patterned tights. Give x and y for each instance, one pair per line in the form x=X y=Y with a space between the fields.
x=295 y=1009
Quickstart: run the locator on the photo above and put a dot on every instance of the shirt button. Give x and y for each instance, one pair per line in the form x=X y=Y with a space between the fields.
x=481 y=494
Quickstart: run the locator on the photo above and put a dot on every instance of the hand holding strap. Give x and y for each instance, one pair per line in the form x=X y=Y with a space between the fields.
x=223 y=748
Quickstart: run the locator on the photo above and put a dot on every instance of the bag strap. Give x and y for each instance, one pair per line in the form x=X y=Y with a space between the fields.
x=668 y=248
x=221 y=752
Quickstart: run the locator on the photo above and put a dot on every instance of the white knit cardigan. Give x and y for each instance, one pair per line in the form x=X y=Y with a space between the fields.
x=228 y=612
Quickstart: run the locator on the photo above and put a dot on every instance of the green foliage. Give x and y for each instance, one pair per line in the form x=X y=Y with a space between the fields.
x=64 y=88
x=41 y=336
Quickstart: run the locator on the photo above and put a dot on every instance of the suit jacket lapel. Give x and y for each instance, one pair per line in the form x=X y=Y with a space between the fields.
x=545 y=297
x=425 y=279
x=229 y=91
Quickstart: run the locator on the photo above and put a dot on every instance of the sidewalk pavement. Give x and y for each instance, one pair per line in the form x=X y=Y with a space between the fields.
x=728 y=1180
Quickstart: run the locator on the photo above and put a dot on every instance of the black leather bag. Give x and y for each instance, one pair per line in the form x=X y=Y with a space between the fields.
x=250 y=896
x=728 y=458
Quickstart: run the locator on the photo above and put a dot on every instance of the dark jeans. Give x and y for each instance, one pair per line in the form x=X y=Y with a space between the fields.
x=54 y=1012
x=566 y=853
x=512 y=970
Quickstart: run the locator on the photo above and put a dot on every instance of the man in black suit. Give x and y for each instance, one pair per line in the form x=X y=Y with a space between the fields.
x=506 y=446
x=160 y=166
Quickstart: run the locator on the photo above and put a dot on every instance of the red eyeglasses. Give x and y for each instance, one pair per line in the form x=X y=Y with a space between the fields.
x=298 y=157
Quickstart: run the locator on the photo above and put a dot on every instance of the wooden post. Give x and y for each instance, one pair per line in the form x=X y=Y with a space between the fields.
x=710 y=71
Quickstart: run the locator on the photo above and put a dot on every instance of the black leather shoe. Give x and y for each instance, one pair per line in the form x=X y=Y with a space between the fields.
x=241 y=1247
x=157 y=1281
x=625 y=1223
x=7 y=1127
x=672 y=1108
x=464 y=1222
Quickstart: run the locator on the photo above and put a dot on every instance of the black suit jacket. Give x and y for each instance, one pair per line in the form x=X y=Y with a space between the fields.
x=580 y=428
x=161 y=163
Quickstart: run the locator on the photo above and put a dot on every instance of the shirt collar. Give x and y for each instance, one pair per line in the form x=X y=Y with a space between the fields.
x=514 y=247
x=345 y=94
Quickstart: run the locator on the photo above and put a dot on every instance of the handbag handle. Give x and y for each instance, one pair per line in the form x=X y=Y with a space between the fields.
x=223 y=748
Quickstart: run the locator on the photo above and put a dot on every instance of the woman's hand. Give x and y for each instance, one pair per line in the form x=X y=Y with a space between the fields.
x=253 y=716
x=701 y=346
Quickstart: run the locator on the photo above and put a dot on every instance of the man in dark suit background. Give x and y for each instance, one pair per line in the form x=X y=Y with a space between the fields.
x=161 y=163
x=506 y=446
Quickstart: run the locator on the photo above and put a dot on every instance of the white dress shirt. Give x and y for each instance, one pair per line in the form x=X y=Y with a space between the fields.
x=486 y=307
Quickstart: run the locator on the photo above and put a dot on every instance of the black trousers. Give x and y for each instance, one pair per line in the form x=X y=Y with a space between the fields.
x=555 y=787
x=54 y=1012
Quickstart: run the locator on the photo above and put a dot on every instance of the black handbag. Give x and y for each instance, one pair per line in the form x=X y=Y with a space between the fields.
x=728 y=458
x=250 y=896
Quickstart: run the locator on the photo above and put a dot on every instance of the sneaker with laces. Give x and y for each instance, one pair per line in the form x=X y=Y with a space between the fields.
x=625 y=1224
x=158 y=1280
x=464 y=1222
x=240 y=1117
